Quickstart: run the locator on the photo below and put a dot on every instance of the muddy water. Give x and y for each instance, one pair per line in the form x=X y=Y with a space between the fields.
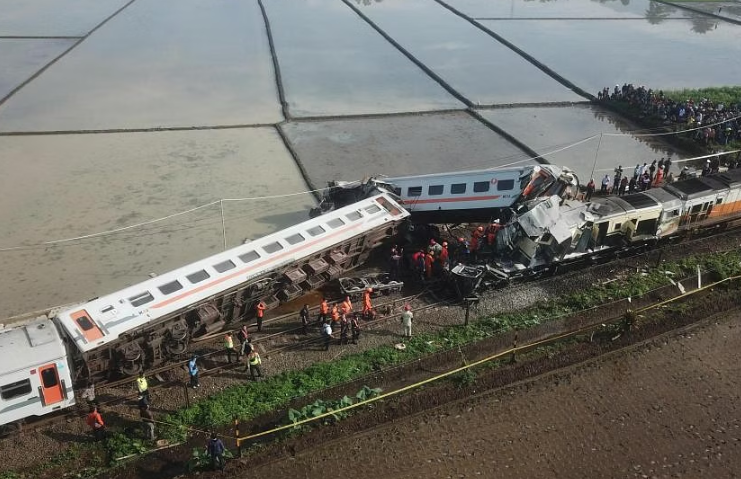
x=333 y=63
x=552 y=128
x=54 y=17
x=471 y=61
x=169 y=71
x=353 y=149
x=672 y=54
x=565 y=9
x=20 y=59
x=64 y=186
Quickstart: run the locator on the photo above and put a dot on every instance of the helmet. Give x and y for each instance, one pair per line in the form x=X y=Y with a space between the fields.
x=480 y=228
x=445 y=243
x=407 y=307
x=461 y=239
x=370 y=290
x=432 y=241
x=496 y=222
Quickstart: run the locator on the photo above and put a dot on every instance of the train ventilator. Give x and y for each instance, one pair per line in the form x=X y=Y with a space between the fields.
x=34 y=375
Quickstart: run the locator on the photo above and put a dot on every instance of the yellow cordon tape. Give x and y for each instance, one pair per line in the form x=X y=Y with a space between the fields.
x=463 y=368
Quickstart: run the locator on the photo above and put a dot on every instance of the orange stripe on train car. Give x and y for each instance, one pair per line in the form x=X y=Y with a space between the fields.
x=250 y=268
x=451 y=200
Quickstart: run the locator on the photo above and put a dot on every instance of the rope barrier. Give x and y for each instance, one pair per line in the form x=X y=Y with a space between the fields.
x=500 y=354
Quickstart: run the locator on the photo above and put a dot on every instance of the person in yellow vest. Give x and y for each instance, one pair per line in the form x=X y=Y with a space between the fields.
x=254 y=361
x=229 y=346
x=143 y=387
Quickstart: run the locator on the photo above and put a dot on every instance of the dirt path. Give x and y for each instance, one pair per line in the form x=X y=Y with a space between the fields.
x=670 y=410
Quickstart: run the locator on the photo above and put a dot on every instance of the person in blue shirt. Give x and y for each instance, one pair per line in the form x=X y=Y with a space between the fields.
x=193 y=371
x=215 y=448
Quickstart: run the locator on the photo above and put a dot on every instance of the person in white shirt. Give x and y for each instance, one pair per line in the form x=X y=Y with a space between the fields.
x=406 y=321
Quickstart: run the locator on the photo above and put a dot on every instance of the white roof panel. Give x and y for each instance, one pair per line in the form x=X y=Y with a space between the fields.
x=29 y=346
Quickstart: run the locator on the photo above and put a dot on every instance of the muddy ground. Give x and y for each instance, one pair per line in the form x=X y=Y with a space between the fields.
x=668 y=408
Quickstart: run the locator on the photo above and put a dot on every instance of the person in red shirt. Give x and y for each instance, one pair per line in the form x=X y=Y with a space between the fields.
x=335 y=314
x=443 y=257
x=259 y=313
x=429 y=261
x=346 y=306
x=95 y=421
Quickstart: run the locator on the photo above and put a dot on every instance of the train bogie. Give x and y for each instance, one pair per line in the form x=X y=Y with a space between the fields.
x=144 y=325
x=34 y=375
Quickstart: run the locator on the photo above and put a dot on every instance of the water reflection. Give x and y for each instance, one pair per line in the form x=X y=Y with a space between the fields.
x=469 y=60
x=550 y=128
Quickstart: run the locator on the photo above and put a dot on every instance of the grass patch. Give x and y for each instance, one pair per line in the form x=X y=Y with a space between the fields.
x=728 y=95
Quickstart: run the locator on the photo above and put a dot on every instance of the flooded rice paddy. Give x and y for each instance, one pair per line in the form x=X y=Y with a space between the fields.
x=117 y=112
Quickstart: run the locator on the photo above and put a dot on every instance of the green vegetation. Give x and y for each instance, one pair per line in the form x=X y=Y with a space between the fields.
x=728 y=95
x=248 y=401
x=200 y=460
x=319 y=407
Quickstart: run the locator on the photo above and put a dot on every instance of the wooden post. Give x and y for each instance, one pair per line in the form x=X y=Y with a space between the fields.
x=236 y=434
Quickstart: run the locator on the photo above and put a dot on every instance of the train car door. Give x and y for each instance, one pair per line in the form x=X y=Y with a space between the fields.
x=51 y=387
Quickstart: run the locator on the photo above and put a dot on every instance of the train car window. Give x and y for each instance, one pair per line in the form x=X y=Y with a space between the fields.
x=294 y=239
x=16 y=389
x=414 y=191
x=674 y=213
x=457 y=188
x=481 y=186
x=170 y=287
x=224 y=266
x=49 y=377
x=617 y=226
x=389 y=207
x=373 y=209
x=505 y=185
x=85 y=323
x=353 y=216
x=435 y=190
x=696 y=209
x=397 y=191
x=646 y=227
x=249 y=257
x=316 y=230
x=719 y=201
x=198 y=276
x=335 y=223
x=138 y=300
x=272 y=247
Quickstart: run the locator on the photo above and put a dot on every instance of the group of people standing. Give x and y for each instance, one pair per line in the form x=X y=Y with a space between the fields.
x=644 y=177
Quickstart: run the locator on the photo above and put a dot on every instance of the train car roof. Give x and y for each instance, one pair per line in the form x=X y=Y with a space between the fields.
x=668 y=200
x=609 y=206
x=714 y=182
x=104 y=319
x=640 y=201
x=731 y=178
x=689 y=189
x=514 y=170
x=29 y=345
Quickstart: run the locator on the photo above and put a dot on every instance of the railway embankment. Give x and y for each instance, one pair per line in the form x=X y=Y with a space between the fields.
x=301 y=376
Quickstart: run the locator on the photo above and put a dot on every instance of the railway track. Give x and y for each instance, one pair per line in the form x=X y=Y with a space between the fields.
x=210 y=348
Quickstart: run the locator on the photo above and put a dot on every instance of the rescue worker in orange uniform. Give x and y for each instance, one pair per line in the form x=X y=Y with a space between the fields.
x=346 y=306
x=429 y=262
x=335 y=314
x=444 y=257
x=323 y=311
x=367 y=305
x=476 y=240
x=491 y=234
x=260 y=313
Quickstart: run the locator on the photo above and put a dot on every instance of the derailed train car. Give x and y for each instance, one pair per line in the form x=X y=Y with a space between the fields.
x=153 y=322
x=548 y=232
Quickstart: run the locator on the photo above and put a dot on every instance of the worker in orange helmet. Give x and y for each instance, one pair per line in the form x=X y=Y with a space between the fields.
x=367 y=305
x=259 y=314
x=346 y=306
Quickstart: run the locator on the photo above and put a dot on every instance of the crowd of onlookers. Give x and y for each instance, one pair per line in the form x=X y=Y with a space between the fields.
x=712 y=123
